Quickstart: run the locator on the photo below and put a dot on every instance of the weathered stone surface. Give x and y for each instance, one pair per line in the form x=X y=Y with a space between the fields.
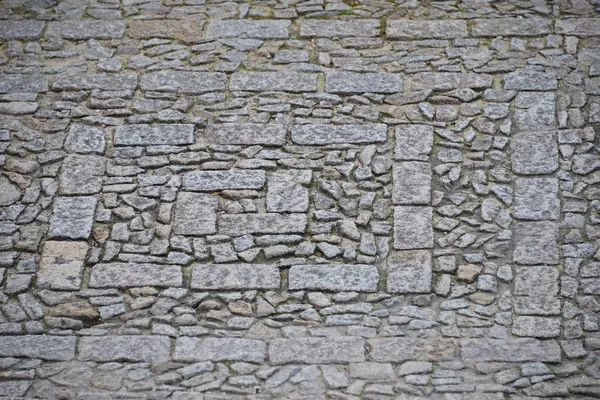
x=123 y=275
x=318 y=135
x=431 y=29
x=535 y=111
x=72 y=217
x=352 y=82
x=14 y=388
x=509 y=350
x=410 y=272
x=15 y=83
x=95 y=81
x=537 y=305
x=578 y=27
x=195 y=214
x=273 y=81
x=538 y=327
x=86 y=29
x=511 y=27
x=412 y=183
x=536 y=281
x=85 y=139
x=530 y=80
x=186 y=30
x=61 y=265
x=534 y=152
x=413 y=228
x=235 y=276
x=591 y=286
x=21 y=30
x=413 y=142
x=82 y=174
x=242 y=224
x=537 y=199
x=9 y=193
x=255 y=29
x=334 y=277
x=44 y=347
x=316 y=350
x=287 y=191
x=219 y=349
x=147 y=135
x=450 y=80
x=536 y=243
x=184 y=81
x=399 y=349
x=133 y=348
x=335 y=28
x=247 y=134
x=210 y=181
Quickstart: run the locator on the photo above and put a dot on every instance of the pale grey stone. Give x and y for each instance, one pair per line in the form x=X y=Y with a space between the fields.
x=536 y=243
x=538 y=327
x=85 y=139
x=318 y=135
x=251 y=29
x=21 y=30
x=273 y=81
x=72 y=217
x=583 y=164
x=509 y=350
x=242 y=224
x=219 y=349
x=23 y=83
x=412 y=183
x=86 y=29
x=511 y=27
x=426 y=29
x=530 y=80
x=195 y=214
x=536 y=305
x=534 y=152
x=124 y=275
x=591 y=286
x=413 y=227
x=182 y=29
x=334 y=377
x=317 y=350
x=100 y=81
x=235 y=276
x=157 y=134
x=353 y=82
x=334 y=28
x=413 y=142
x=210 y=181
x=14 y=389
x=415 y=367
x=131 y=348
x=334 y=277
x=61 y=265
x=536 y=281
x=9 y=193
x=44 y=347
x=287 y=191
x=450 y=80
x=410 y=272
x=291 y=56
x=536 y=199
x=372 y=371
x=578 y=26
x=535 y=111
x=398 y=349
x=81 y=174
x=184 y=81
x=247 y=134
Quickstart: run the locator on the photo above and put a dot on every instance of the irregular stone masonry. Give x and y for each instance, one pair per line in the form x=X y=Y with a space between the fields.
x=299 y=200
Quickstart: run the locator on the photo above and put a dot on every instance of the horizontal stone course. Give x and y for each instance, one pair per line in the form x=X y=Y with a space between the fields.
x=186 y=30
x=242 y=224
x=124 y=275
x=336 y=277
x=219 y=349
x=450 y=80
x=509 y=350
x=235 y=276
x=184 y=81
x=335 y=28
x=431 y=29
x=319 y=135
x=511 y=27
x=15 y=83
x=255 y=29
x=44 y=347
x=315 y=350
x=352 y=82
x=246 y=134
x=132 y=348
x=294 y=82
x=578 y=27
x=210 y=181
x=102 y=81
x=398 y=349
x=530 y=80
x=158 y=134
x=86 y=29
x=21 y=30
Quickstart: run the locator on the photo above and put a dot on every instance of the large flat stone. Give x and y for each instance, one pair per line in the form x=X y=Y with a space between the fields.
x=61 y=265
x=273 y=81
x=511 y=27
x=184 y=82
x=85 y=139
x=413 y=228
x=243 y=224
x=235 y=277
x=149 y=135
x=45 y=347
x=287 y=191
x=534 y=152
x=195 y=214
x=210 y=181
x=334 y=277
x=14 y=389
x=540 y=280
x=409 y=271
x=433 y=29
x=86 y=29
x=130 y=348
x=21 y=30
x=535 y=111
x=413 y=142
x=578 y=26
x=72 y=217
x=509 y=350
x=317 y=350
x=536 y=242
x=530 y=80
x=318 y=135
x=124 y=275
x=247 y=134
x=412 y=183
x=95 y=81
x=333 y=28
x=219 y=349
x=536 y=199
x=353 y=82
x=398 y=349
x=534 y=326
x=22 y=83
x=450 y=80
x=81 y=174
x=253 y=29
x=180 y=29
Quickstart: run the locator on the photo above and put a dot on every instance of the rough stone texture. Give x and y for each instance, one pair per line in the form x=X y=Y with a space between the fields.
x=288 y=191
x=273 y=81
x=242 y=224
x=265 y=29
x=44 y=347
x=72 y=217
x=536 y=112
x=360 y=278
x=166 y=28
x=535 y=243
x=537 y=199
x=86 y=29
x=61 y=265
x=124 y=348
x=511 y=27
x=407 y=29
x=209 y=181
x=509 y=350
x=534 y=152
x=350 y=82
x=414 y=349
x=82 y=174
x=413 y=228
x=578 y=27
x=450 y=80
x=186 y=82
x=412 y=183
x=536 y=281
x=195 y=214
x=85 y=139
x=413 y=142
x=21 y=30
x=317 y=350
x=330 y=29
x=220 y=349
x=124 y=275
x=235 y=276
x=15 y=83
x=410 y=272
x=530 y=80
x=318 y=135
x=69 y=82
x=146 y=135
x=539 y=327
x=246 y=134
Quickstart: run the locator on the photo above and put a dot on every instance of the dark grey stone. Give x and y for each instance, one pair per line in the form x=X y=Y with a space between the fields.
x=317 y=350
x=44 y=347
x=273 y=81
x=210 y=181
x=131 y=348
x=86 y=29
x=509 y=350
x=318 y=135
x=409 y=272
x=242 y=224
x=353 y=82
x=251 y=29
x=72 y=217
x=148 y=135
x=21 y=30
x=334 y=277
x=184 y=81
x=426 y=29
x=124 y=275
x=195 y=214
x=247 y=134
x=235 y=277
x=219 y=349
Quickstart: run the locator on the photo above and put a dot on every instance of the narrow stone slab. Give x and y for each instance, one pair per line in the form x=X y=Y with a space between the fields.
x=61 y=266
x=353 y=82
x=123 y=275
x=219 y=349
x=22 y=83
x=537 y=199
x=72 y=217
x=318 y=135
x=186 y=29
x=85 y=139
x=273 y=81
x=334 y=277
x=95 y=81
x=511 y=27
x=195 y=214
x=450 y=80
x=252 y=29
x=413 y=142
x=242 y=224
x=210 y=181
x=132 y=348
x=21 y=30
x=87 y=29
x=534 y=152
x=530 y=80
x=413 y=227
x=398 y=349
x=435 y=29
x=287 y=191
x=317 y=350
x=235 y=276
x=578 y=26
x=148 y=135
x=509 y=350
x=45 y=347
x=409 y=272
x=81 y=174
x=247 y=134
x=333 y=28
x=536 y=243
x=412 y=183
x=184 y=81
